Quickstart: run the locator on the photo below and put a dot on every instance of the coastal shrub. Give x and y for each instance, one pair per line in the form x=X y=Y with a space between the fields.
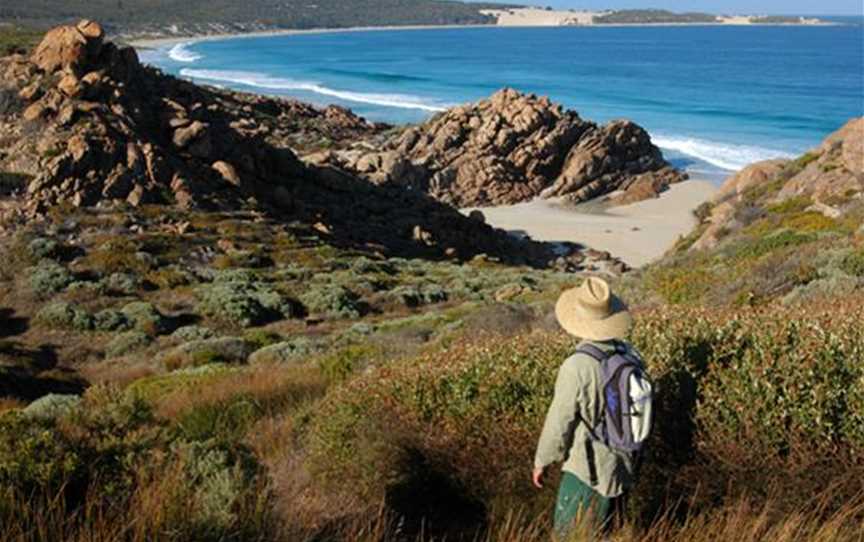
x=122 y=284
x=111 y=320
x=51 y=406
x=193 y=333
x=293 y=351
x=243 y=301
x=680 y=284
x=44 y=248
x=332 y=301
x=127 y=343
x=260 y=338
x=48 y=277
x=145 y=317
x=756 y=247
x=169 y=277
x=340 y=364
x=853 y=263
x=207 y=351
x=118 y=256
x=63 y=315
x=153 y=388
x=785 y=383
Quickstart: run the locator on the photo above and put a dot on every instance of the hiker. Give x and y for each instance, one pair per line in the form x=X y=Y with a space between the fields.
x=600 y=415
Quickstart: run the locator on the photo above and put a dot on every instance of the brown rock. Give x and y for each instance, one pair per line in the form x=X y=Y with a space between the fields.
x=70 y=85
x=750 y=176
x=184 y=136
x=67 y=48
x=35 y=111
x=31 y=92
x=227 y=172
x=510 y=148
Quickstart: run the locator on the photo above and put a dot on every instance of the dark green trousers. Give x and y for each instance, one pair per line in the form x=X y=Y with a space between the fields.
x=579 y=507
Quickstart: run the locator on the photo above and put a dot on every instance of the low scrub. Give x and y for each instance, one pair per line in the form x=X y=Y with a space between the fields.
x=750 y=402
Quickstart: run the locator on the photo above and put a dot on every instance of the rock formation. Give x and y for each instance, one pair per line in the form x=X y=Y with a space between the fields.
x=514 y=147
x=829 y=178
x=85 y=124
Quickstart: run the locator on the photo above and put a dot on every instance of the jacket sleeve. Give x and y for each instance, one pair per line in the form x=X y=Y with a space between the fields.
x=561 y=419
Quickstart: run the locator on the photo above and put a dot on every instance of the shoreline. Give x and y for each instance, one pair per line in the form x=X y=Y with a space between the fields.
x=156 y=42
x=638 y=233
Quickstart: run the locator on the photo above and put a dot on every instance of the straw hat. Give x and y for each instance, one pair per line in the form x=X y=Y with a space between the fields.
x=590 y=311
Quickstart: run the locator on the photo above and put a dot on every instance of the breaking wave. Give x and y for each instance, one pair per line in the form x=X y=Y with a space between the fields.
x=722 y=155
x=259 y=80
x=181 y=53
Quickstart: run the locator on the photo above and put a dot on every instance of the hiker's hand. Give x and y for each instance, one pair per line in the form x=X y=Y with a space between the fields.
x=537 y=477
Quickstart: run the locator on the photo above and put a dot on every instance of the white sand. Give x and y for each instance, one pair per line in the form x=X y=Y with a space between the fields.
x=540 y=17
x=638 y=233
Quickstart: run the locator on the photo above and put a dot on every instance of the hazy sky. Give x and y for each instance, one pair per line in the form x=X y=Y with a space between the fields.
x=777 y=7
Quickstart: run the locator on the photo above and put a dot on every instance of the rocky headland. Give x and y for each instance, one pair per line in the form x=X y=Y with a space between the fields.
x=512 y=148
x=84 y=124
x=827 y=180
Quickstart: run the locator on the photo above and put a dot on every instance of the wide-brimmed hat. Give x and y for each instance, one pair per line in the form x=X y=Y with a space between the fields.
x=590 y=311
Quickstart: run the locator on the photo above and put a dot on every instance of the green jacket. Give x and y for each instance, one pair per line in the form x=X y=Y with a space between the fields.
x=578 y=405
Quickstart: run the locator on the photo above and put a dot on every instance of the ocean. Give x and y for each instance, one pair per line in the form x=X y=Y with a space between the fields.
x=713 y=98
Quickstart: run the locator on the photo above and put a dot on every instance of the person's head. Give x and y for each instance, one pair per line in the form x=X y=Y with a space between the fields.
x=592 y=312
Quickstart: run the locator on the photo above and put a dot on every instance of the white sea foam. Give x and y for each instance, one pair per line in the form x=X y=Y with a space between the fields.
x=264 y=81
x=722 y=155
x=181 y=53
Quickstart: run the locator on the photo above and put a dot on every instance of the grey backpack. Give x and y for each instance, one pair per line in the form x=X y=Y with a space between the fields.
x=627 y=399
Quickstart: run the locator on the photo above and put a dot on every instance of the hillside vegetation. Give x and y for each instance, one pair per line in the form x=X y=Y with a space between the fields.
x=787 y=230
x=284 y=14
x=649 y=16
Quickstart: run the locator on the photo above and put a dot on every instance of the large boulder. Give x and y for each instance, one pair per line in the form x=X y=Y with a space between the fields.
x=69 y=48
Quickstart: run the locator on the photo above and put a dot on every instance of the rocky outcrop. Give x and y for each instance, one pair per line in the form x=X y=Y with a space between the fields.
x=828 y=179
x=87 y=125
x=514 y=147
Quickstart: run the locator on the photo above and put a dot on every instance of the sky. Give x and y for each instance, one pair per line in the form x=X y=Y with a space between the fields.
x=774 y=7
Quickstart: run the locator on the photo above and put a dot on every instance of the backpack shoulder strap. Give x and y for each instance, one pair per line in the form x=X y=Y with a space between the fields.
x=594 y=352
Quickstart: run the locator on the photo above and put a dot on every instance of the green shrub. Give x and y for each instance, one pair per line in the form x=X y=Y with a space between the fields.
x=153 y=388
x=332 y=301
x=243 y=302
x=765 y=391
x=292 y=351
x=757 y=247
x=122 y=283
x=170 y=277
x=64 y=316
x=342 y=363
x=48 y=278
x=853 y=264
x=127 y=343
x=207 y=351
x=193 y=333
x=51 y=406
x=791 y=205
x=111 y=320
x=145 y=317
x=42 y=248
x=259 y=338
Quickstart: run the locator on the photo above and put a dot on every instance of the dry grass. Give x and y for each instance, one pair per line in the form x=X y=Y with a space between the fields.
x=275 y=390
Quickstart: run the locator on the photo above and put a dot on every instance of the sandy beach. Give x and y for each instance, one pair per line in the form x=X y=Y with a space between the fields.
x=638 y=233
x=514 y=18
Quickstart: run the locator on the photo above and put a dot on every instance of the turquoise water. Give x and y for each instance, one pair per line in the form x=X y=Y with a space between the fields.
x=713 y=98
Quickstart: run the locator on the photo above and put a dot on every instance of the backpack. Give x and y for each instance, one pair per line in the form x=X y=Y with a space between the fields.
x=627 y=399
